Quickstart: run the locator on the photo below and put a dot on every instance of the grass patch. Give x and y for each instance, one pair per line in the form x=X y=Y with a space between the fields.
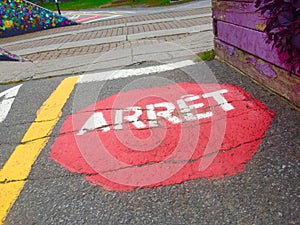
x=76 y=4
x=86 y=4
x=12 y=82
x=206 y=56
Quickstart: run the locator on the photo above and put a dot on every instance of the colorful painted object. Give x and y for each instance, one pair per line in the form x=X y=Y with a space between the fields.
x=20 y=16
x=7 y=56
x=185 y=131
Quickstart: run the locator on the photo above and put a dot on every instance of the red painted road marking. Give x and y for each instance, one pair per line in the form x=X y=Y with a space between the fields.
x=163 y=135
x=80 y=20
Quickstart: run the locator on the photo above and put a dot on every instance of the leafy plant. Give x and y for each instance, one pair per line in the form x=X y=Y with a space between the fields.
x=283 y=28
x=207 y=55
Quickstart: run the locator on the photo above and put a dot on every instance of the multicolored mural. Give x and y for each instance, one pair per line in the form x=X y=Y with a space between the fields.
x=21 y=16
x=8 y=56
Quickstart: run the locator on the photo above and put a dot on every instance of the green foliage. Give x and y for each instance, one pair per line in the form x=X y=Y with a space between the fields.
x=206 y=56
x=283 y=28
x=164 y=2
x=76 y=4
x=152 y=2
x=80 y=4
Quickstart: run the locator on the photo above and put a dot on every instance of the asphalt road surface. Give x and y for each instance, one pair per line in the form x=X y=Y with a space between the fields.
x=55 y=126
x=266 y=192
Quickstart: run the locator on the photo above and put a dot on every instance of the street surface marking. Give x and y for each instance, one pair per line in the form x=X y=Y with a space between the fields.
x=98 y=121
x=103 y=17
x=116 y=74
x=83 y=17
x=164 y=135
x=14 y=173
x=74 y=17
x=8 y=99
x=86 y=19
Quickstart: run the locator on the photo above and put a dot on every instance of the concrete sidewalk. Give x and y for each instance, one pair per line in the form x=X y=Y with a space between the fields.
x=163 y=37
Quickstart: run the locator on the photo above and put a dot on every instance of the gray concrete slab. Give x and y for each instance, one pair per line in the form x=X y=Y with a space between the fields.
x=64 y=66
x=137 y=51
x=74 y=44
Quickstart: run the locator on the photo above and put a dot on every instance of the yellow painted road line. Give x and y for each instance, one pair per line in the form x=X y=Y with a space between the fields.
x=14 y=173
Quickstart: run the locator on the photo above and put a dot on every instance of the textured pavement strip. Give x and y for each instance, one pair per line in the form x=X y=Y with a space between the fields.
x=100 y=48
x=103 y=48
x=104 y=23
x=106 y=47
x=113 y=35
x=173 y=19
x=113 y=39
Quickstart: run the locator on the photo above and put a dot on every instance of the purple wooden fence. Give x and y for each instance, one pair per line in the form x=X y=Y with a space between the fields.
x=241 y=42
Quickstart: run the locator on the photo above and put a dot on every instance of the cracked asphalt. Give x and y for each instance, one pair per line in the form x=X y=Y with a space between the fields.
x=267 y=192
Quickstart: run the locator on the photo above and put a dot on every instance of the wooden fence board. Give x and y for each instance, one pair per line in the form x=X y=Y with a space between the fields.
x=271 y=76
x=251 y=41
x=239 y=13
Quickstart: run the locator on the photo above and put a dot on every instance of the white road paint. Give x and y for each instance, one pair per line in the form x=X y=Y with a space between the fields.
x=102 y=18
x=111 y=75
x=7 y=101
x=90 y=16
x=187 y=112
x=74 y=17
